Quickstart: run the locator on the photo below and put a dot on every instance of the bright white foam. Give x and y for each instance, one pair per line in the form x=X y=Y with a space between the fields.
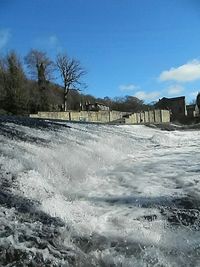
x=99 y=178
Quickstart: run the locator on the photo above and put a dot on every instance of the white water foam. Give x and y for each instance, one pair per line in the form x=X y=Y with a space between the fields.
x=106 y=181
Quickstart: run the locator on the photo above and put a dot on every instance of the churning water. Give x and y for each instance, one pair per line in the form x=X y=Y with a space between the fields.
x=98 y=195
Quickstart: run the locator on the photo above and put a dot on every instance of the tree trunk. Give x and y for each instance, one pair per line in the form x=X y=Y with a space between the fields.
x=65 y=102
x=66 y=91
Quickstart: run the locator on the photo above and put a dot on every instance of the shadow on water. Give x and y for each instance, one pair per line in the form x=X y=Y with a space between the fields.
x=9 y=132
x=186 y=211
x=32 y=122
x=138 y=201
x=25 y=205
x=33 y=232
x=18 y=135
x=39 y=239
x=183 y=211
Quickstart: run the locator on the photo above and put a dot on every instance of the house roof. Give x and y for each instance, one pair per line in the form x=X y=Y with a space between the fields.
x=173 y=98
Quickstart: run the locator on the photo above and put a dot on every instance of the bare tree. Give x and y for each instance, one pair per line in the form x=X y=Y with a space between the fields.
x=71 y=72
x=40 y=66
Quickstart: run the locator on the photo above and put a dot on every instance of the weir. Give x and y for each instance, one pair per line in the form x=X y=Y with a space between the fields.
x=105 y=116
x=87 y=195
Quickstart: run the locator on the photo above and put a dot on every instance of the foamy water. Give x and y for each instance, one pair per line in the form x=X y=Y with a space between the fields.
x=120 y=195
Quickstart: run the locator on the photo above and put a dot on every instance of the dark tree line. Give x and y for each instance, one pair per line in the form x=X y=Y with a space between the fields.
x=13 y=93
x=23 y=93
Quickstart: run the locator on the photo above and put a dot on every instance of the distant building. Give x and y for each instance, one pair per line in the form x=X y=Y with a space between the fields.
x=194 y=110
x=95 y=107
x=175 y=105
x=197 y=107
x=191 y=111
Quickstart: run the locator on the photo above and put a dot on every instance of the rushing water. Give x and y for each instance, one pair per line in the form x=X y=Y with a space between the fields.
x=98 y=195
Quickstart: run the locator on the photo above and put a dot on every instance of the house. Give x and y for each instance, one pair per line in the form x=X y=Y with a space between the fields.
x=175 y=105
x=194 y=110
x=197 y=108
x=191 y=111
x=96 y=107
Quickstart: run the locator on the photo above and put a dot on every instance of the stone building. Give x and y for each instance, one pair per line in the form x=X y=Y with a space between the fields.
x=96 y=107
x=175 y=105
x=194 y=110
x=197 y=107
x=191 y=111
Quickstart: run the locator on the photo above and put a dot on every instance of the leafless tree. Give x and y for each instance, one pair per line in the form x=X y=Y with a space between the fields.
x=71 y=73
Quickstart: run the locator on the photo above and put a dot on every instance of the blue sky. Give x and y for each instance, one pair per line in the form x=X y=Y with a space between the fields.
x=144 y=48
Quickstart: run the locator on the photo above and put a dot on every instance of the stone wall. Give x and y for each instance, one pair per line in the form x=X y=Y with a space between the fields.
x=165 y=115
x=151 y=116
x=102 y=116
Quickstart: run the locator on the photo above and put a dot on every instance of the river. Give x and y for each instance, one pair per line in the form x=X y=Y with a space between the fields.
x=98 y=195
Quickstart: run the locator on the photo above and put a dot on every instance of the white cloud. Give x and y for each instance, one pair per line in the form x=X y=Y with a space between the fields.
x=4 y=37
x=51 y=42
x=128 y=87
x=147 y=95
x=185 y=73
x=175 y=89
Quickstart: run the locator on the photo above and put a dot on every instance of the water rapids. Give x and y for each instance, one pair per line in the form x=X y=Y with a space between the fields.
x=98 y=195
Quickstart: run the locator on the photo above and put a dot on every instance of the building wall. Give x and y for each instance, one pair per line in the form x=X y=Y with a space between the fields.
x=197 y=111
x=178 y=109
x=176 y=106
x=190 y=111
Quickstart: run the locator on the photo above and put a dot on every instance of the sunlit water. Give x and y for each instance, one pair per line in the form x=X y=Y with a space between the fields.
x=98 y=195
